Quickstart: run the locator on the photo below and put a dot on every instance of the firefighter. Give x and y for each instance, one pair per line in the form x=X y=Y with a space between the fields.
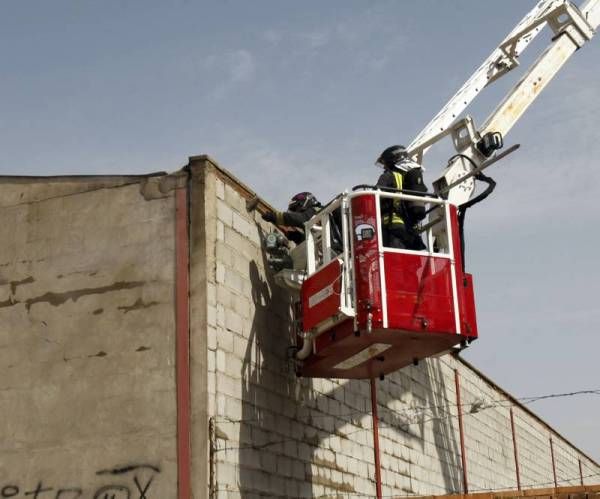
x=399 y=218
x=301 y=208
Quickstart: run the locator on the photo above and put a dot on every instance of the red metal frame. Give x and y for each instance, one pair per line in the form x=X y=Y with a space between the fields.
x=182 y=340
x=419 y=293
x=553 y=462
x=369 y=300
x=321 y=296
x=376 y=437
x=514 y=438
x=464 y=281
x=407 y=305
x=463 y=453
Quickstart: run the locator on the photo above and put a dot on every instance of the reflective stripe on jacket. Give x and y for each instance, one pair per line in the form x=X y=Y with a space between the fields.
x=396 y=219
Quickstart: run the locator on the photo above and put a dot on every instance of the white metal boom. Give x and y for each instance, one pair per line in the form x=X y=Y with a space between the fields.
x=571 y=28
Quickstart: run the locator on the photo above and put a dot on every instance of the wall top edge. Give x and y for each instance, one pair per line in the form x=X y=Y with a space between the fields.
x=31 y=179
x=203 y=164
x=19 y=190
x=519 y=404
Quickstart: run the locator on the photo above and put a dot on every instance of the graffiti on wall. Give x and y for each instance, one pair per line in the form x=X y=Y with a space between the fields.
x=123 y=482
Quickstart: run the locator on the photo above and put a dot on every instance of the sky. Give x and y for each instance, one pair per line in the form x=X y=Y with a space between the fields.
x=294 y=96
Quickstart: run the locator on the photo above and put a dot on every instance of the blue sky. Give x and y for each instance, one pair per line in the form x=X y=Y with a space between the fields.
x=294 y=96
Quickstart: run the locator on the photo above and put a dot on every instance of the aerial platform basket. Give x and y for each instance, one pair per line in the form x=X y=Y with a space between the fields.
x=368 y=310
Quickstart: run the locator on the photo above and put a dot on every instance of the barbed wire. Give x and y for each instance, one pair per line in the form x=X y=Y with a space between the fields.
x=403 y=426
x=419 y=410
x=518 y=493
x=528 y=400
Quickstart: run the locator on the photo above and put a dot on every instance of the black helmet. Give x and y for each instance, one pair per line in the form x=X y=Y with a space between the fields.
x=391 y=156
x=302 y=201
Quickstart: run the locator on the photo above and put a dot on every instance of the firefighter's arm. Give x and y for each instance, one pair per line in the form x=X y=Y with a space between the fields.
x=285 y=218
x=279 y=219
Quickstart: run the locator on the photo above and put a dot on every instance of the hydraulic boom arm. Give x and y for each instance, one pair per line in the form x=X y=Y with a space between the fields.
x=571 y=27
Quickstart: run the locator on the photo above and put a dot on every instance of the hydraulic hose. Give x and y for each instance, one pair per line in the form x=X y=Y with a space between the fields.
x=306 y=349
x=462 y=209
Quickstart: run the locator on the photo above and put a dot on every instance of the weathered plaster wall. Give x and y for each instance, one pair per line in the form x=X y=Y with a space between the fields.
x=87 y=388
x=279 y=436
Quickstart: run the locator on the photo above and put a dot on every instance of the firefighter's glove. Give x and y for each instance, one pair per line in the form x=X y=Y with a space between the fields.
x=269 y=216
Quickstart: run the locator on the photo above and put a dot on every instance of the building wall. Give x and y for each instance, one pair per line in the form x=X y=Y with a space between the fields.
x=87 y=385
x=278 y=435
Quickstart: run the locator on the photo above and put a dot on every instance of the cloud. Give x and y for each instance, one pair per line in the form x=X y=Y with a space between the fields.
x=359 y=35
x=272 y=36
x=230 y=69
x=241 y=66
x=299 y=41
x=275 y=172
x=376 y=63
x=316 y=39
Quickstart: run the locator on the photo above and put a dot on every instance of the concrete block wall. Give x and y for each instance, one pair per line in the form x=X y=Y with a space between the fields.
x=275 y=435
x=87 y=386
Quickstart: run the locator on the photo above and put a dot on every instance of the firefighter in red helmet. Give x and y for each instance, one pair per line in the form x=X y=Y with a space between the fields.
x=302 y=207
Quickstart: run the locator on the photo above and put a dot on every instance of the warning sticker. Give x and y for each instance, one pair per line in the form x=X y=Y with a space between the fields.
x=317 y=298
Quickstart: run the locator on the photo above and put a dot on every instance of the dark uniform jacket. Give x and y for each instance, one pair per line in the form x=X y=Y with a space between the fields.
x=392 y=213
x=400 y=217
x=295 y=219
